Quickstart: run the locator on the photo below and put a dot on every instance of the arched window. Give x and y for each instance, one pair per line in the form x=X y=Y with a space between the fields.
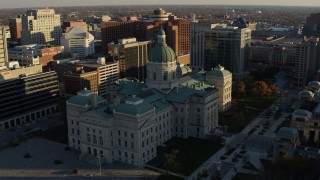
x=94 y=139
x=88 y=138
x=100 y=141
x=165 y=76
x=173 y=75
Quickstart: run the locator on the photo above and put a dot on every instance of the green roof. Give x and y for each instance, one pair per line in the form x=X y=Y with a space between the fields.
x=152 y=95
x=134 y=109
x=160 y=105
x=183 y=94
x=84 y=100
x=182 y=70
x=80 y=100
x=105 y=111
x=196 y=80
x=85 y=91
x=133 y=99
x=314 y=83
x=162 y=53
x=286 y=131
x=306 y=93
x=301 y=112
x=130 y=88
x=219 y=71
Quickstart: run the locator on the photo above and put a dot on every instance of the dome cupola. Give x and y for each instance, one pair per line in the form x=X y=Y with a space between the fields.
x=162 y=53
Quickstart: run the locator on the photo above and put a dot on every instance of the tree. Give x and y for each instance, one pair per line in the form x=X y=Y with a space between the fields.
x=248 y=82
x=260 y=88
x=170 y=159
x=240 y=88
x=274 y=90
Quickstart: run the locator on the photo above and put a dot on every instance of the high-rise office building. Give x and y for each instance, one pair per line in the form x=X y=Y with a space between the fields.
x=27 y=98
x=281 y=51
x=67 y=25
x=307 y=62
x=41 y=26
x=15 y=25
x=132 y=57
x=177 y=30
x=213 y=45
x=312 y=26
x=108 y=72
x=78 y=42
x=3 y=47
x=78 y=80
x=111 y=31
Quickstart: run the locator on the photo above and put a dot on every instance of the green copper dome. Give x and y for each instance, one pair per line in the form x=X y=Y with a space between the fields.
x=219 y=71
x=162 y=53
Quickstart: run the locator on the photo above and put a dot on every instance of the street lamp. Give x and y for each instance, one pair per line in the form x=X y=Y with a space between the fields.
x=99 y=158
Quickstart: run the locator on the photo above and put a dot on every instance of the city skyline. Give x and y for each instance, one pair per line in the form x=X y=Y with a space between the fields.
x=60 y=3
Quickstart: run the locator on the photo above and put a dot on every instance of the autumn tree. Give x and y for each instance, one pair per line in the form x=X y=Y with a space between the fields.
x=170 y=159
x=260 y=88
x=240 y=88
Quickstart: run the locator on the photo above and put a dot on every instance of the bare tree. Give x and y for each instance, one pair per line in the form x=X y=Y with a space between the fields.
x=170 y=159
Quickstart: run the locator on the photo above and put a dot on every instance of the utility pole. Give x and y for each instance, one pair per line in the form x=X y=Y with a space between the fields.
x=99 y=158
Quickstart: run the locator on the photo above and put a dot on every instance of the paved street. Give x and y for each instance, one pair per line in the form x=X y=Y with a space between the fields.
x=13 y=165
x=256 y=138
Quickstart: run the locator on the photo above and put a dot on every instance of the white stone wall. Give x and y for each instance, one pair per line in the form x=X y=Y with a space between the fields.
x=156 y=73
x=134 y=139
x=224 y=85
x=41 y=27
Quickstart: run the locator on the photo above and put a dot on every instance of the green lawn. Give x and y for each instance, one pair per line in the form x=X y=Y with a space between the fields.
x=192 y=152
x=243 y=112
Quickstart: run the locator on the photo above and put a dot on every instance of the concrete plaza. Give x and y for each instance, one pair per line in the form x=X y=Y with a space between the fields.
x=14 y=166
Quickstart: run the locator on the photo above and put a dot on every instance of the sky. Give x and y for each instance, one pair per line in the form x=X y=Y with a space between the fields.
x=54 y=3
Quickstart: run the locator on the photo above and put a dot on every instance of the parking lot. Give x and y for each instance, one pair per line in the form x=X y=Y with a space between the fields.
x=14 y=165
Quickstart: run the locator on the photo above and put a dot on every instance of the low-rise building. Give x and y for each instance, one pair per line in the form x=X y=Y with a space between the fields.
x=27 y=98
x=132 y=57
x=285 y=143
x=79 y=79
x=34 y=54
x=108 y=72
x=78 y=42
x=15 y=71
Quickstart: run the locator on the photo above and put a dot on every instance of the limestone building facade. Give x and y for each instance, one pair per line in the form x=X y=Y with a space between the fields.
x=137 y=117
